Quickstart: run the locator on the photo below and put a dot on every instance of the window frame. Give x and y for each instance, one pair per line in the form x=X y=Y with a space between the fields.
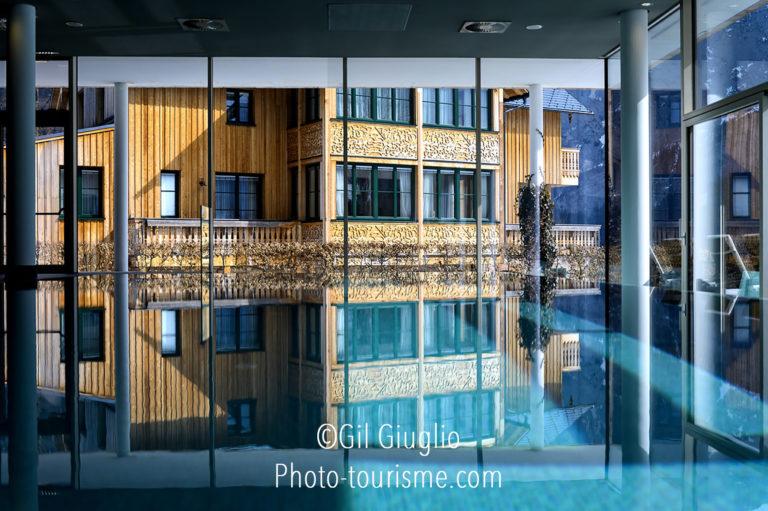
x=457 y=173
x=373 y=97
x=80 y=215
x=311 y=106
x=397 y=193
x=460 y=325
x=748 y=193
x=454 y=102
x=238 y=122
x=177 y=351
x=238 y=212
x=235 y=404
x=309 y=170
x=80 y=358
x=176 y=192
x=376 y=337
x=260 y=311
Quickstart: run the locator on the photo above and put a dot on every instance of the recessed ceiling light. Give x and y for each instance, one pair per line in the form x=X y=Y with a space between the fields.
x=74 y=24
x=534 y=27
x=484 y=27
x=203 y=24
x=646 y=4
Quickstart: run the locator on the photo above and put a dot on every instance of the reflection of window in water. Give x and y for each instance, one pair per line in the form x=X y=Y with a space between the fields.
x=400 y=414
x=459 y=413
x=382 y=331
x=239 y=329
x=450 y=327
x=170 y=342
x=240 y=415
x=90 y=334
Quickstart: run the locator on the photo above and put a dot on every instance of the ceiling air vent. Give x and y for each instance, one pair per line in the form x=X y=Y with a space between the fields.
x=203 y=24
x=484 y=27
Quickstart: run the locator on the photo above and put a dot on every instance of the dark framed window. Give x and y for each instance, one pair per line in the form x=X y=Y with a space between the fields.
x=239 y=329
x=311 y=105
x=449 y=194
x=382 y=331
x=455 y=108
x=90 y=334
x=313 y=332
x=666 y=197
x=668 y=110
x=379 y=104
x=294 y=173
x=741 y=192
x=312 y=187
x=450 y=328
x=170 y=338
x=169 y=194
x=458 y=412
x=239 y=196
x=239 y=107
x=292 y=108
x=375 y=191
x=241 y=414
x=90 y=199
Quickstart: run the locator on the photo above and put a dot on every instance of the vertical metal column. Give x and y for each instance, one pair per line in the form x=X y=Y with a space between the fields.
x=121 y=330
x=211 y=290
x=479 y=261
x=635 y=237
x=21 y=285
x=70 y=174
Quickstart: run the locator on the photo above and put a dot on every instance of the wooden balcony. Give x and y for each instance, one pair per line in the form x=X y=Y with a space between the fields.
x=565 y=235
x=569 y=161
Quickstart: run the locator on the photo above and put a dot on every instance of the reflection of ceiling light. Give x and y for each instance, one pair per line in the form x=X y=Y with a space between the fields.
x=3 y=24
x=646 y=4
x=203 y=24
x=534 y=27
x=484 y=27
x=46 y=53
x=74 y=24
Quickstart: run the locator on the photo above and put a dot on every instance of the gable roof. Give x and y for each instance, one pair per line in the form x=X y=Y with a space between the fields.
x=558 y=100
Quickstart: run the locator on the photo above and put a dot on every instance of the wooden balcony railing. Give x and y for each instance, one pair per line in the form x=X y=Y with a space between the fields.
x=569 y=162
x=187 y=230
x=565 y=235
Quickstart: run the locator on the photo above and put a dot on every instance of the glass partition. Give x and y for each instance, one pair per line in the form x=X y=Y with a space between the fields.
x=731 y=51
x=726 y=254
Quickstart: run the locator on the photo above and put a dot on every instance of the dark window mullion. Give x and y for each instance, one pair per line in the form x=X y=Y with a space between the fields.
x=455 y=107
x=456 y=194
x=396 y=191
x=373 y=100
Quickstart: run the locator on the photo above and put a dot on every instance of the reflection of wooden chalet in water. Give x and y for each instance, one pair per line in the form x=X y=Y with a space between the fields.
x=277 y=157
x=281 y=358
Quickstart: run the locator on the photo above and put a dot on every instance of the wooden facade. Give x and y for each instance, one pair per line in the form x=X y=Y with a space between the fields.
x=168 y=132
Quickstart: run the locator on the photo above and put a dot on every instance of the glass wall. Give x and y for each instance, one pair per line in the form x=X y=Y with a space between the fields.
x=726 y=274
x=731 y=50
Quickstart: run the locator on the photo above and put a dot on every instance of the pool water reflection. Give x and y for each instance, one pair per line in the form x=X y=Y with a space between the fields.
x=396 y=360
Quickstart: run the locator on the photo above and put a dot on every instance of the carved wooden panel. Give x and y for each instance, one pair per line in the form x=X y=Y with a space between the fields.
x=402 y=380
x=442 y=144
x=438 y=234
x=311 y=140
x=312 y=232
x=377 y=232
x=376 y=140
x=293 y=145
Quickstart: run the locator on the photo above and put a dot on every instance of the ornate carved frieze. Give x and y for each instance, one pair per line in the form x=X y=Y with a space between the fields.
x=443 y=376
x=312 y=232
x=373 y=294
x=442 y=144
x=402 y=380
x=293 y=145
x=376 y=140
x=438 y=234
x=311 y=140
x=377 y=232
x=379 y=382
